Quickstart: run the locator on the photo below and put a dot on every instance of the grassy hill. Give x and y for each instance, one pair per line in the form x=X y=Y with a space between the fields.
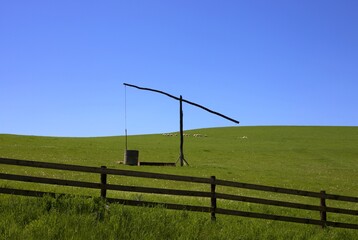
x=308 y=158
x=299 y=157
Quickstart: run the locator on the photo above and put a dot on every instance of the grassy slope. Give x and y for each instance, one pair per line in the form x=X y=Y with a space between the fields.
x=309 y=158
x=299 y=157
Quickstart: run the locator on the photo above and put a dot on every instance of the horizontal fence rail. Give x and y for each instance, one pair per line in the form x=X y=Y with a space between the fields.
x=285 y=191
x=33 y=193
x=213 y=195
x=285 y=204
x=54 y=181
x=78 y=168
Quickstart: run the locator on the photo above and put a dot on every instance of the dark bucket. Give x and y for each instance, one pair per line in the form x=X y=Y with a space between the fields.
x=131 y=157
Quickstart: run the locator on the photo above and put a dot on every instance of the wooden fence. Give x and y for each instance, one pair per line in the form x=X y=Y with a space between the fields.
x=213 y=194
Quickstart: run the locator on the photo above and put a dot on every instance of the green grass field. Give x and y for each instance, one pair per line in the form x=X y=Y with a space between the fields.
x=307 y=158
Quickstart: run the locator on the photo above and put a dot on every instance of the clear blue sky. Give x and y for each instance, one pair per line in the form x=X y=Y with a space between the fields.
x=63 y=64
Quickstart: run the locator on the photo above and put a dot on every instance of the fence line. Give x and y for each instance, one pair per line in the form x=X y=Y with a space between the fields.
x=129 y=173
x=286 y=191
x=212 y=194
x=79 y=168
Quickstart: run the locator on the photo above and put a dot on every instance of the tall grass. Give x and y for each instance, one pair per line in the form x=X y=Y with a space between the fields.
x=79 y=218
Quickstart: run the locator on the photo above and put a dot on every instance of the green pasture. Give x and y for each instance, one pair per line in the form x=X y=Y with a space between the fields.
x=306 y=158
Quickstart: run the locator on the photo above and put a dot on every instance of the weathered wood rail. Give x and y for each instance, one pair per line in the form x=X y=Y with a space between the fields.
x=213 y=195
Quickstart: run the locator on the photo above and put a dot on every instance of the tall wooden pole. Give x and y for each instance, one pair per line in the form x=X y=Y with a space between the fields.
x=181 y=157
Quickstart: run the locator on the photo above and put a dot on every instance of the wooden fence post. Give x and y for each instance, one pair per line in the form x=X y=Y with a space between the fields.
x=103 y=183
x=323 y=212
x=213 y=198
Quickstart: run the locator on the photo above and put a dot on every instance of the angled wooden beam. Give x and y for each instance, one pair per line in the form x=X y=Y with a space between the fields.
x=184 y=100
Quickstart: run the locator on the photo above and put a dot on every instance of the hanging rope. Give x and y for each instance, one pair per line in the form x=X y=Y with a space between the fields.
x=125 y=116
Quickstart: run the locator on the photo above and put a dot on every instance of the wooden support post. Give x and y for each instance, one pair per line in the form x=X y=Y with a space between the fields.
x=181 y=157
x=213 y=198
x=103 y=183
x=323 y=212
